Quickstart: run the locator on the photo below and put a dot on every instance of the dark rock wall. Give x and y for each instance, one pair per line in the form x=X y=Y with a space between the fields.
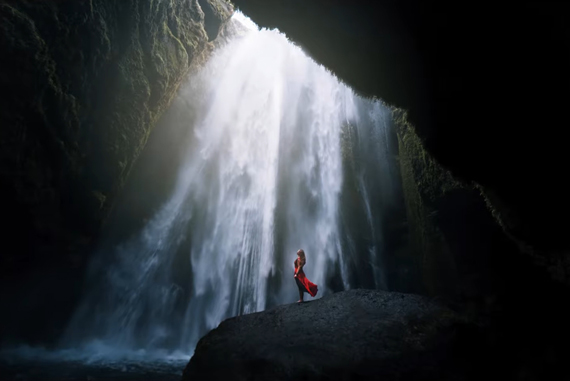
x=83 y=83
x=424 y=183
x=465 y=258
x=459 y=249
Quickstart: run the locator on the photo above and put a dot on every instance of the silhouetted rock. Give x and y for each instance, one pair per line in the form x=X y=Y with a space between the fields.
x=351 y=335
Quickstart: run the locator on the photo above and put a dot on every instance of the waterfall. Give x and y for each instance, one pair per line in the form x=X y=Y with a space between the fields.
x=272 y=138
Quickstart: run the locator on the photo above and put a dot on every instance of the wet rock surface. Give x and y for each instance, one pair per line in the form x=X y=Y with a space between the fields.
x=379 y=335
x=83 y=84
x=351 y=335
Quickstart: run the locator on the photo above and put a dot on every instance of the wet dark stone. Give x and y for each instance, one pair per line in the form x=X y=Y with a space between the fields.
x=350 y=335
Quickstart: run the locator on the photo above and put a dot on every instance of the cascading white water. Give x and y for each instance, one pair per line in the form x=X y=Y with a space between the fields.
x=262 y=177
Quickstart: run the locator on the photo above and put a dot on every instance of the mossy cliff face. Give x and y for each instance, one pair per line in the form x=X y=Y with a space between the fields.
x=433 y=195
x=459 y=248
x=83 y=83
x=464 y=256
x=424 y=182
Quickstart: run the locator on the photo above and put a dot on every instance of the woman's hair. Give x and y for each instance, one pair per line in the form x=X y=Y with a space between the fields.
x=302 y=254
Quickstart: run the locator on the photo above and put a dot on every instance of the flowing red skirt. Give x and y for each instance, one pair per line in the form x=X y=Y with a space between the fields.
x=306 y=285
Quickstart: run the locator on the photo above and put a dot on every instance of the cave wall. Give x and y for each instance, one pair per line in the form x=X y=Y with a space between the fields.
x=83 y=84
x=459 y=248
x=486 y=88
x=424 y=183
x=466 y=260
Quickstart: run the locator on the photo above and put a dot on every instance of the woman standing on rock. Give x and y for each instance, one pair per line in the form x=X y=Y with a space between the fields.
x=303 y=283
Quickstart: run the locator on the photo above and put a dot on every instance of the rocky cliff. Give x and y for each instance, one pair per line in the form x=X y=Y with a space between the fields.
x=83 y=83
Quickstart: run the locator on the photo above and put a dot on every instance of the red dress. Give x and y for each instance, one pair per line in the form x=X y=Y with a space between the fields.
x=303 y=283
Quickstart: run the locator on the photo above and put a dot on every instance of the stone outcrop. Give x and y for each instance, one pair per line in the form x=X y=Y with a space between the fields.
x=378 y=335
x=350 y=335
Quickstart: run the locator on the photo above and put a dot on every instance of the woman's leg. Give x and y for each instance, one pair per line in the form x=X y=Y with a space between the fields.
x=301 y=290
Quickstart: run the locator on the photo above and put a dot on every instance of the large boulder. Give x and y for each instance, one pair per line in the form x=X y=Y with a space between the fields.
x=350 y=335
x=379 y=335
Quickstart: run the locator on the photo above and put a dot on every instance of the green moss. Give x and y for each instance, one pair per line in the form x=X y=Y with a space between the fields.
x=424 y=182
x=432 y=179
x=99 y=197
